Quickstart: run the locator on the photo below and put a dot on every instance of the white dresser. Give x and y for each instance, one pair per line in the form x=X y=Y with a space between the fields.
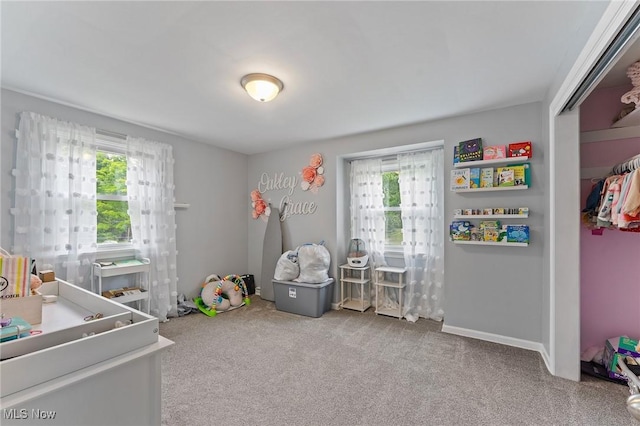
x=82 y=369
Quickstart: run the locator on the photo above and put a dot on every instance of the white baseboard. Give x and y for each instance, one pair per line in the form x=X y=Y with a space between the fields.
x=335 y=306
x=547 y=359
x=257 y=291
x=497 y=338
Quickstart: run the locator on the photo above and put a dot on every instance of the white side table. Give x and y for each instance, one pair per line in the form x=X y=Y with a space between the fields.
x=358 y=276
x=124 y=267
x=382 y=285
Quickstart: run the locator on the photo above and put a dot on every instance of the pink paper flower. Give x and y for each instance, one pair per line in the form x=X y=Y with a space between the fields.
x=316 y=161
x=260 y=206
x=255 y=195
x=319 y=180
x=308 y=174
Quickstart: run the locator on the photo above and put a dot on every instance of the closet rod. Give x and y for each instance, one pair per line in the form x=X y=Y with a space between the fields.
x=627 y=166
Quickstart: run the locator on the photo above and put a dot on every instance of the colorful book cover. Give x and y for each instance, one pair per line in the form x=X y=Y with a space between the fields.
x=494 y=152
x=518 y=175
x=520 y=149
x=476 y=234
x=491 y=234
x=486 y=178
x=517 y=233
x=460 y=230
x=470 y=150
x=474 y=177
x=495 y=224
x=456 y=155
x=460 y=179
x=506 y=176
x=522 y=174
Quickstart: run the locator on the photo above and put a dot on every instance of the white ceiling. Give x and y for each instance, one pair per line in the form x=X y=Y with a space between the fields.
x=347 y=67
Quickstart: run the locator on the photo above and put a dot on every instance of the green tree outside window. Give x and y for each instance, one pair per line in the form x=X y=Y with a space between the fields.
x=114 y=225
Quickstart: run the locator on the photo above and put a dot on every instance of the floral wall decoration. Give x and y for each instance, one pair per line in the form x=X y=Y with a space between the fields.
x=311 y=179
x=260 y=208
x=312 y=175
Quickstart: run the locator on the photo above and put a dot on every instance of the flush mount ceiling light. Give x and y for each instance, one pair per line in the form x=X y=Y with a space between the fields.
x=261 y=87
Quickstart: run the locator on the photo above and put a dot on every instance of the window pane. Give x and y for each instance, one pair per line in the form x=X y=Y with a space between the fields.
x=114 y=225
x=391 y=189
x=111 y=173
x=393 y=228
x=393 y=217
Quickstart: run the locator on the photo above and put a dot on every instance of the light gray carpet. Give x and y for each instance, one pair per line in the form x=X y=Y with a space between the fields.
x=259 y=366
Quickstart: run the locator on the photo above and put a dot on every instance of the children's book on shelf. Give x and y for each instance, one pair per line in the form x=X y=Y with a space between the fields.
x=494 y=152
x=519 y=174
x=485 y=224
x=456 y=155
x=476 y=234
x=460 y=179
x=527 y=173
x=470 y=150
x=460 y=230
x=486 y=177
x=491 y=234
x=474 y=177
x=520 y=149
x=517 y=233
x=506 y=176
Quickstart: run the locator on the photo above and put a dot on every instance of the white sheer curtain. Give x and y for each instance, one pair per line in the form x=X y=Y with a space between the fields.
x=55 y=218
x=367 y=208
x=150 y=195
x=422 y=198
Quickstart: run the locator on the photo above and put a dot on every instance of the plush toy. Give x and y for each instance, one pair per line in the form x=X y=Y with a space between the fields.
x=36 y=282
x=219 y=295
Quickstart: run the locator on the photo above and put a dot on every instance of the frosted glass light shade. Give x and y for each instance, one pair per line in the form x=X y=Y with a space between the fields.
x=261 y=87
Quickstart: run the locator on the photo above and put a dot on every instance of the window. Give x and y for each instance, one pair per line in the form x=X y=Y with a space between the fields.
x=114 y=225
x=392 y=213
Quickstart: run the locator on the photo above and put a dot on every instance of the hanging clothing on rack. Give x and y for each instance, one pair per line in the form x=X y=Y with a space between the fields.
x=618 y=199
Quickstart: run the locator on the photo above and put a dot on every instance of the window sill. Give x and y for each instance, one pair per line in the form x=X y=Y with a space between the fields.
x=110 y=251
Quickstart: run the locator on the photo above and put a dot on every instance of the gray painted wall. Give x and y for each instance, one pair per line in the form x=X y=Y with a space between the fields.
x=490 y=289
x=211 y=234
x=217 y=235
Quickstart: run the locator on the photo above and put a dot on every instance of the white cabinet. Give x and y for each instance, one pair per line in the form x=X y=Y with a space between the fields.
x=87 y=371
x=384 y=287
x=124 y=267
x=359 y=278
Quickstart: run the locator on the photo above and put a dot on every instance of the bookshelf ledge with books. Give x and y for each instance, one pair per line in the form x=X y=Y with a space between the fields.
x=491 y=243
x=493 y=188
x=508 y=160
x=491 y=216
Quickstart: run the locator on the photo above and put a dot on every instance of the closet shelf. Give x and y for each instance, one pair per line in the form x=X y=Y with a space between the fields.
x=491 y=243
x=494 y=188
x=510 y=160
x=490 y=216
x=610 y=134
x=631 y=119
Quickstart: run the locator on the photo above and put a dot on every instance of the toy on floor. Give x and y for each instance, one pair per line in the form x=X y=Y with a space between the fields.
x=222 y=294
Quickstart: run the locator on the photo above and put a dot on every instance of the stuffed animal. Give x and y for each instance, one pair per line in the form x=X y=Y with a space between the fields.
x=221 y=295
x=36 y=282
